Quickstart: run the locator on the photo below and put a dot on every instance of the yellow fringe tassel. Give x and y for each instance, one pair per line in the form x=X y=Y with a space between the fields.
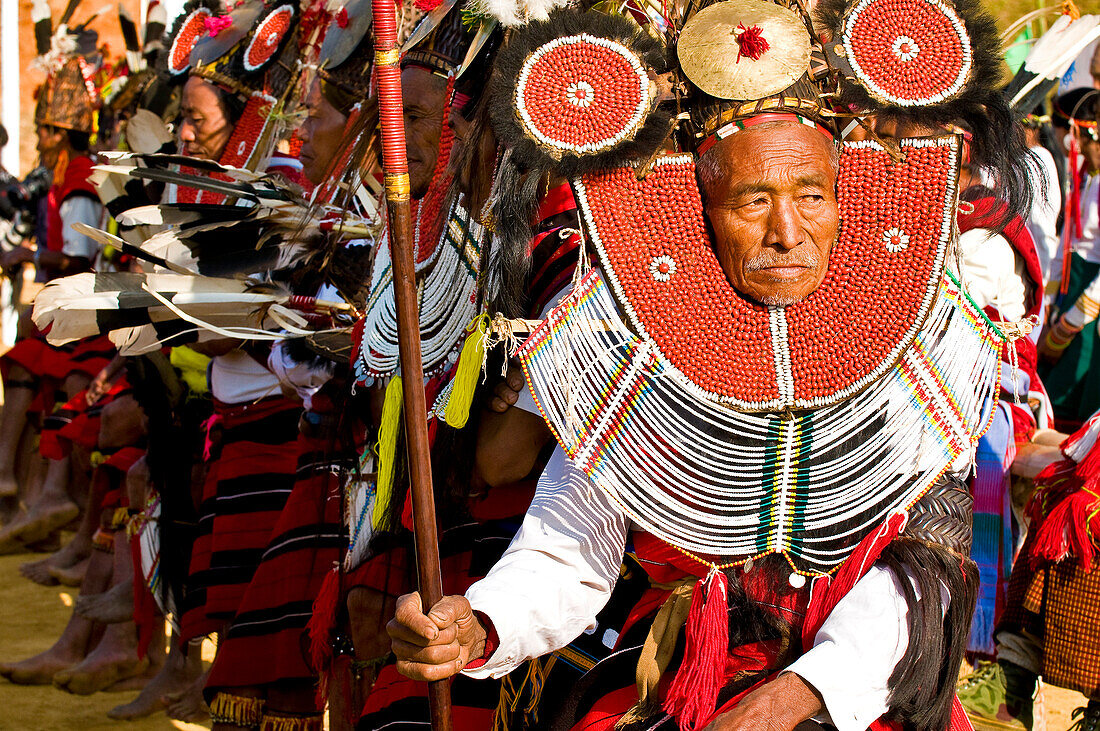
x=387 y=449
x=273 y=722
x=119 y=519
x=470 y=364
x=511 y=694
x=237 y=710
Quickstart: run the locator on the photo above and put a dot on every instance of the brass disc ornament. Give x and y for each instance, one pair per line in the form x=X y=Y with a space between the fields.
x=712 y=49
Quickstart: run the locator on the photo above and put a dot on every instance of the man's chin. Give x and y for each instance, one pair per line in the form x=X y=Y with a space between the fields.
x=783 y=295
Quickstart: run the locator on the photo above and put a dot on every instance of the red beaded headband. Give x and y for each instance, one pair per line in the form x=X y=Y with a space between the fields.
x=741 y=124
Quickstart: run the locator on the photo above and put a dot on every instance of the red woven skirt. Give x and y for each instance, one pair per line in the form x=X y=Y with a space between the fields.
x=266 y=640
x=75 y=422
x=248 y=481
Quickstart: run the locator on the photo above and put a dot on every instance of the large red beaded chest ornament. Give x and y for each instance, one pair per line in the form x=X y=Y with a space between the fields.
x=885 y=269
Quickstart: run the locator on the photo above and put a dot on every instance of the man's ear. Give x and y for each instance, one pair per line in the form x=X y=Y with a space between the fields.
x=460 y=125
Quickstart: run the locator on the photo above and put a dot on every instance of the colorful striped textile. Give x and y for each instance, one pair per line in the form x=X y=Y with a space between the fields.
x=264 y=642
x=993 y=541
x=1072 y=383
x=248 y=481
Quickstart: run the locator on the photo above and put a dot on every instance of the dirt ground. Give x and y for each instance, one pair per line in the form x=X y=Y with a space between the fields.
x=31 y=618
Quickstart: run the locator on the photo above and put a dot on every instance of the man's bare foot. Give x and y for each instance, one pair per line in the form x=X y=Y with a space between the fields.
x=71 y=554
x=173 y=680
x=111 y=607
x=188 y=705
x=37 y=524
x=113 y=660
x=40 y=669
x=73 y=575
x=9 y=486
x=38 y=571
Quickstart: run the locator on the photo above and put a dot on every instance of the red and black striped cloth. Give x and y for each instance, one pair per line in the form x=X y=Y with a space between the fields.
x=249 y=478
x=265 y=642
x=56 y=362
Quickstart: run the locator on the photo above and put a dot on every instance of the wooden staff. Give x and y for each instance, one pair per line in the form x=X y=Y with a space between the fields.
x=387 y=70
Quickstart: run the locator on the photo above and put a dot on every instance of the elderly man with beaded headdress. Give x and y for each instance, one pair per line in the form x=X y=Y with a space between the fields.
x=769 y=384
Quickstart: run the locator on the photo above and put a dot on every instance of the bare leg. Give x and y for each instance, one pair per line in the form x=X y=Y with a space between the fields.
x=68 y=564
x=111 y=607
x=19 y=391
x=117 y=603
x=188 y=705
x=368 y=612
x=115 y=658
x=73 y=644
x=181 y=669
x=52 y=508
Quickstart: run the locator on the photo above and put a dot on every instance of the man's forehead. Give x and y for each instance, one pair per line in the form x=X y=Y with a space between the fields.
x=791 y=152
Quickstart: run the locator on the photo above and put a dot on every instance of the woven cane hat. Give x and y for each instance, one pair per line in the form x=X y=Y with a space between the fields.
x=66 y=100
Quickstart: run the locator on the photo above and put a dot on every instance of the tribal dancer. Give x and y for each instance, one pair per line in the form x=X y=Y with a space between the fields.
x=262 y=656
x=1049 y=629
x=240 y=71
x=483 y=455
x=773 y=375
x=1069 y=345
x=65 y=120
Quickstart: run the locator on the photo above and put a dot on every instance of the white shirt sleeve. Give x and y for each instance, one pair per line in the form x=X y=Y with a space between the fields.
x=79 y=209
x=558 y=572
x=857 y=648
x=993 y=273
x=561 y=567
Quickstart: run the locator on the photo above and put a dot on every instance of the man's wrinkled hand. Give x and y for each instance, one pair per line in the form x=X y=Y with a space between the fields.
x=436 y=645
x=779 y=705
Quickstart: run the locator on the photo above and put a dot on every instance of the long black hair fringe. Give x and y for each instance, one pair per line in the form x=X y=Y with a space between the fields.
x=922 y=686
x=513 y=212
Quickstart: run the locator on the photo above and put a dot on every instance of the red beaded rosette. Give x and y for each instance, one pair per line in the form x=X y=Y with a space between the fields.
x=268 y=37
x=574 y=92
x=908 y=52
x=582 y=94
x=179 y=55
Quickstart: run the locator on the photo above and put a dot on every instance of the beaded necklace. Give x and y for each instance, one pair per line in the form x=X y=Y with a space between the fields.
x=847 y=427
x=447 y=291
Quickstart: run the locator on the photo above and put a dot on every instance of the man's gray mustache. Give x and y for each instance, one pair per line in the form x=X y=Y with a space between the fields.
x=766 y=261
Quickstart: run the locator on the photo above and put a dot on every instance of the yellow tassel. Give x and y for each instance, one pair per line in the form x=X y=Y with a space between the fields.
x=511 y=694
x=466 y=377
x=387 y=449
x=506 y=703
x=96 y=458
x=237 y=710
x=119 y=518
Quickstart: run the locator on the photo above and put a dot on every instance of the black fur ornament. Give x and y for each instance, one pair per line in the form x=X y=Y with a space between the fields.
x=625 y=43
